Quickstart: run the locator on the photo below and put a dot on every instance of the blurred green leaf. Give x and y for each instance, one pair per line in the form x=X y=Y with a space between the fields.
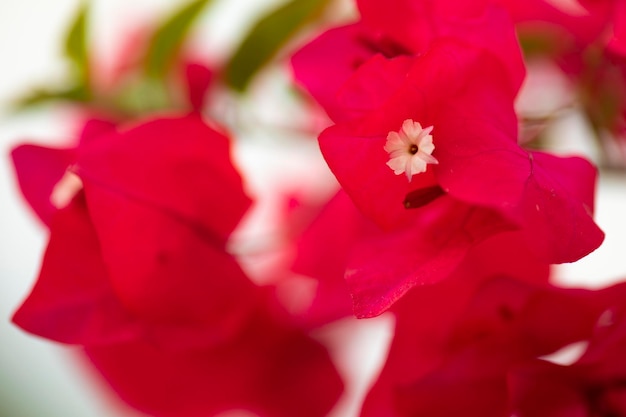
x=76 y=49
x=266 y=38
x=76 y=52
x=77 y=93
x=169 y=37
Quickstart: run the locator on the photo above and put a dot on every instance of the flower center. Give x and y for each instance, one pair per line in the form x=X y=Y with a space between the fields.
x=410 y=149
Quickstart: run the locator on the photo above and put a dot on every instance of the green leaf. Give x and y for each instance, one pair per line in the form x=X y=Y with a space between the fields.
x=267 y=37
x=77 y=93
x=169 y=38
x=76 y=49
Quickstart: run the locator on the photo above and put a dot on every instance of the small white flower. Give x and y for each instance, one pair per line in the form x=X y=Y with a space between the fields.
x=410 y=149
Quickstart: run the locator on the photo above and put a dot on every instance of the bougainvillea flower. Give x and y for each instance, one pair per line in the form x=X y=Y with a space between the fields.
x=383 y=268
x=355 y=150
x=323 y=253
x=416 y=25
x=269 y=369
x=593 y=385
x=341 y=239
x=402 y=28
x=39 y=169
x=426 y=315
x=324 y=65
x=505 y=325
x=139 y=250
x=545 y=389
x=462 y=92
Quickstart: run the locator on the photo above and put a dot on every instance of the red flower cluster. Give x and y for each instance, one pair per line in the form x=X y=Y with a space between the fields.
x=137 y=272
x=426 y=89
x=445 y=219
x=483 y=181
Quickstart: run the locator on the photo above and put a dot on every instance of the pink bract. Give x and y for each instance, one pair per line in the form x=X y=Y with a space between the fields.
x=593 y=384
x=460 y=91
x=138 y=253
x=507 y=324
x=269 y=368
x=402 y=28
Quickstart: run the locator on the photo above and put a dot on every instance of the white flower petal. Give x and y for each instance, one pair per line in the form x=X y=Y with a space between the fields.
x=403 y=157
